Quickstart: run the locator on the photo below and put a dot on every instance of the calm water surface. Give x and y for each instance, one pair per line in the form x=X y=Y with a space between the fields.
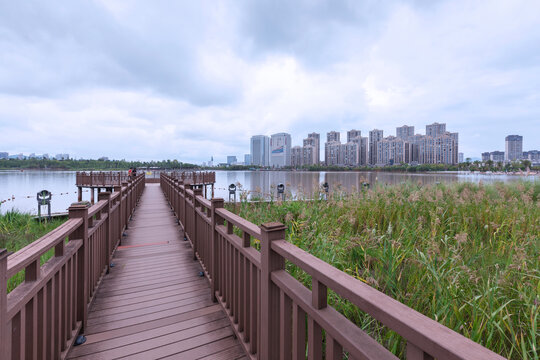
x=23 y=185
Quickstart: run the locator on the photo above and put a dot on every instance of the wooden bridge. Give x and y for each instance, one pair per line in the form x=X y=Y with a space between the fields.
x=146 y=282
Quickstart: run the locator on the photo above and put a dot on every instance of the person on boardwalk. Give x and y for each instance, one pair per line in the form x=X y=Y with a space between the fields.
x=130 y=173
x=134 y=173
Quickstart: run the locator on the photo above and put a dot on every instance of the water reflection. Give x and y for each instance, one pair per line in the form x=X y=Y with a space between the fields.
x=307 y=183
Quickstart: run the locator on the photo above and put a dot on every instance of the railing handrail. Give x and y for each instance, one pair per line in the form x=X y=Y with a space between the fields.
x=33 y=251
x=103 y=178
x=426 y=338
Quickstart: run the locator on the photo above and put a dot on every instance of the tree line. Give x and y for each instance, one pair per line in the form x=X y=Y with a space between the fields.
x=72 y=164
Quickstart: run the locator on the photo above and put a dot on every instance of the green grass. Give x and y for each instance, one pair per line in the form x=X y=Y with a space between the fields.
x=466 y=255
x=18 y=230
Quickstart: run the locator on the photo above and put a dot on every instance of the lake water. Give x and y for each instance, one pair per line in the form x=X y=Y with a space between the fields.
x=20 y=187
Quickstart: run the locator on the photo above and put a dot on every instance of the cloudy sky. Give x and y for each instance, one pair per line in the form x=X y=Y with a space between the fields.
x=187 y=80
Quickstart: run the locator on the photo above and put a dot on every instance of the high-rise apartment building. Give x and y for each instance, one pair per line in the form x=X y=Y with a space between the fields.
x=331 y=153
x=309 y=155
x=513 y=148
x=260 y=150
x=313 y=140
x=353 y=134
x=297 y=156
x=460 y=157
x=374 y=137
x=363 y=151
x=332 y=136
x=280 y=150
x=435 y=129
x=392 y=150
x=348 y=154
x=405 y=132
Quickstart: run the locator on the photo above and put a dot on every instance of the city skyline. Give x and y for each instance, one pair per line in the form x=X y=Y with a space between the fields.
x=186 y=81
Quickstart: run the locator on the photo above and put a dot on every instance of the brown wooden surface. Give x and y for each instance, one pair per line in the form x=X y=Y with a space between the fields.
x=153 y=304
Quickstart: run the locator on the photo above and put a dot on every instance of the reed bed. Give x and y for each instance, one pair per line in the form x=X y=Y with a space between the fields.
x=466 y=255
x=18 y=230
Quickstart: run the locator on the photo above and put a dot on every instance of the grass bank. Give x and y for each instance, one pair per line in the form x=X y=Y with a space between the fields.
x=466 y=255
x=18 y=230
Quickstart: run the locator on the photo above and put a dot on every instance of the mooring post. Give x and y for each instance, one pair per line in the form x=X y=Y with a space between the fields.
x=215 y=269
x=81 y=211
x=270 y=297
x=4 y=345
x=79 y=193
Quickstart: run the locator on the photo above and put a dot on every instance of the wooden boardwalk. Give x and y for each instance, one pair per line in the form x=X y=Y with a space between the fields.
x=153 y=303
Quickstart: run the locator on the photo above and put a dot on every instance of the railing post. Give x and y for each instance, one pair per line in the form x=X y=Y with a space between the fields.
x=81 y=211
x=193 y=237
x=4 y=345
x=270 y=297
x=216 y=220
x=108 y=227
x=125 y=205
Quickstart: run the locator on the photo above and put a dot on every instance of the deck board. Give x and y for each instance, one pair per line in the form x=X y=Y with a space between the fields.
x=153 y=304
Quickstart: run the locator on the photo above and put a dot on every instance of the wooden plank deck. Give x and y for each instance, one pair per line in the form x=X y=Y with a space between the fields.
x=153 y=304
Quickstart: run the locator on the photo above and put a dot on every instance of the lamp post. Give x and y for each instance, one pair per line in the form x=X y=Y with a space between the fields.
x=281 y=190
x=232 y=192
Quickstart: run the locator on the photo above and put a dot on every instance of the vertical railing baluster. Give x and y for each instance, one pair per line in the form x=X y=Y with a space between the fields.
x=216 y=221
x=194 y=235
x=107 y=229
x=416 y=353
x=81 y=211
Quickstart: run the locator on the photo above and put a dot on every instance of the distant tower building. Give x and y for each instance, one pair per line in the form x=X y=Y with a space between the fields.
x=332 y=136
x=435 y=129
x=513 y=147
x=404 y=132
x=374 y=137
x=259 y=149
x=460 y=157
x=231 y=160
x=313 y=140
x=280 y=150
x=485 y=156
x=247 y=159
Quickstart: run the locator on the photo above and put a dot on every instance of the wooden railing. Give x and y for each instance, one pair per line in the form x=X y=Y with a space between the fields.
x=43 y=316
x=195 y=177
x=269 y=309
x=101 y=178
